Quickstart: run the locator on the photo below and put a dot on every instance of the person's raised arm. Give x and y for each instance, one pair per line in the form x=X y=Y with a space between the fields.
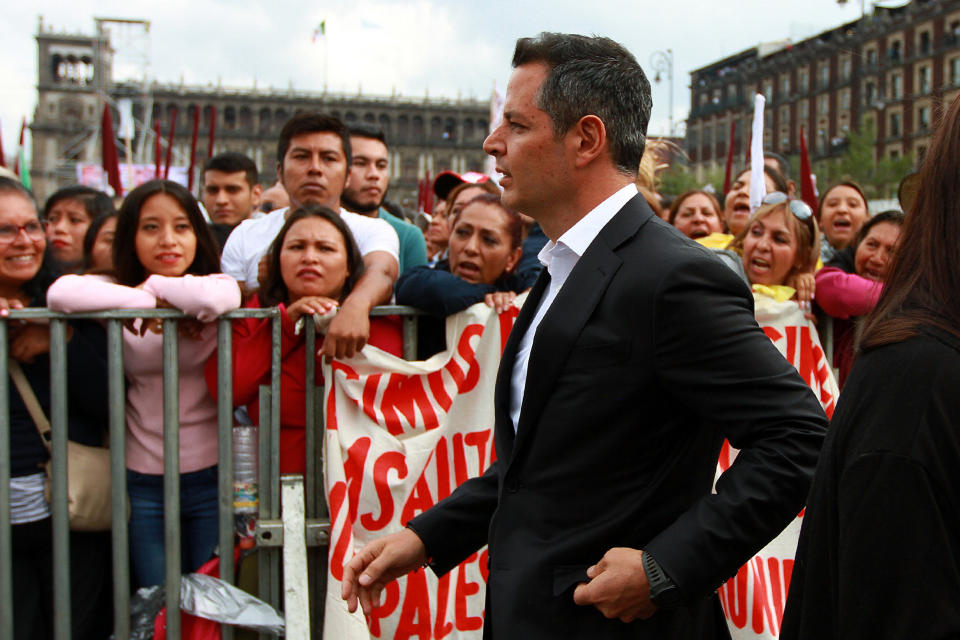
x=205 y=297
x=350 y=328
x=72 y=293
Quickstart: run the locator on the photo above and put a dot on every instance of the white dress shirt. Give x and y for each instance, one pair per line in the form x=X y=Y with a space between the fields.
x=560 y=258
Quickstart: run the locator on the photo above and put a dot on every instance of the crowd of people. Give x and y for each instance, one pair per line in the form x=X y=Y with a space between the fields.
x=325 y=242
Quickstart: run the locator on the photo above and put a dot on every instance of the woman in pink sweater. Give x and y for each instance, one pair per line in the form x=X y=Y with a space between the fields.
x=174 y=263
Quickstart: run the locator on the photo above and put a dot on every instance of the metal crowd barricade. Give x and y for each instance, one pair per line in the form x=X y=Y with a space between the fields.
x=269 y=533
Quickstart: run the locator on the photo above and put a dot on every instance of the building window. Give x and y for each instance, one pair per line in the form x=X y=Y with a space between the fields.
x=845 y=99
x=955 y=71
x=804 y=110
x=896 y=86
x=895 y=124
x=785 y=86
x=824 y=105
x=824 y=76
x=872 y=58
x=924 y=43
x=869 y=94
x=731 y=93
x=804 y=81
x=846 y=68
x=894 y=154
x=703 y=99
x=923 y=118
x=768 y=90
x=896 y=51
x=924 y=75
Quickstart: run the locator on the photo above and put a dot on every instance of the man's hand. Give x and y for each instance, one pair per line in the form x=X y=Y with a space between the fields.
x=378 y=564
x=29 y=341
x=348 y=332
x=618 y=586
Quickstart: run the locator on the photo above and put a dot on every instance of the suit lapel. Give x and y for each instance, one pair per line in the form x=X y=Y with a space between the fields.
x=509 y=357
x=570 y=311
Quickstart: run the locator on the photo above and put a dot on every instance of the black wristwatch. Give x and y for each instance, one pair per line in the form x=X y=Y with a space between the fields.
x=663 y=592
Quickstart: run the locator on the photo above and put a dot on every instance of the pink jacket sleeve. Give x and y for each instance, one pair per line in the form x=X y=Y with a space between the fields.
x=73 y=293
x=205 y=297
x=843 y=295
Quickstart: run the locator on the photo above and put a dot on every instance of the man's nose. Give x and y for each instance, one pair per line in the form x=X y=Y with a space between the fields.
x=493 y=144
x=316 y=166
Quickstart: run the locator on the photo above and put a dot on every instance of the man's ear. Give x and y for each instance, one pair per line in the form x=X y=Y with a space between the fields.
x=256 y=192
x=590 y=137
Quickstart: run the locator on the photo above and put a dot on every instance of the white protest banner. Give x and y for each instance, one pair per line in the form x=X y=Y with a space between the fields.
x=400 y=436
x=753 y=600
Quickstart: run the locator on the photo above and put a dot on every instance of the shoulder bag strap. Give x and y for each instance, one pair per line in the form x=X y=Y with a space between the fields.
x=30 y=400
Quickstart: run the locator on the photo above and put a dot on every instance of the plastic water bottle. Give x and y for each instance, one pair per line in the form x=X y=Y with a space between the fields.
x=245 y=488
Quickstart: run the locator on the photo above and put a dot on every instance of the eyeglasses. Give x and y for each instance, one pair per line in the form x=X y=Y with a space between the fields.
x=10 y=232
x=798 y=208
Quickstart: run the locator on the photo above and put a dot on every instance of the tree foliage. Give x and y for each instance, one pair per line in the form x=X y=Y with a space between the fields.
x=858 y=162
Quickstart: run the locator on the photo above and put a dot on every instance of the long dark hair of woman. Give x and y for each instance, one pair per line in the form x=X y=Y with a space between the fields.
x=925 y=274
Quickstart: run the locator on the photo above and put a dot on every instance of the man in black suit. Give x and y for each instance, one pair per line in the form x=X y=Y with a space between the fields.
x=635 y=355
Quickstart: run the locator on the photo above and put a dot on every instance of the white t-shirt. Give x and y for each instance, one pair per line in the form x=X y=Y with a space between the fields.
x=252 y=238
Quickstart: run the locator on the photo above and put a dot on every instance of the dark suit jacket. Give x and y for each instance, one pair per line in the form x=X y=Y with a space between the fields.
x=648 y=358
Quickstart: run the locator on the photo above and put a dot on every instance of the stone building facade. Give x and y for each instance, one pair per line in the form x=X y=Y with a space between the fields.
x=75 y=76
x=896 y=68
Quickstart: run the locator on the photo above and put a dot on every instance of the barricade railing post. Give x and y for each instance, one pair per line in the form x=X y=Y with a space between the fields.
x=118 y=479
x=58 y=465
x=6 y=533
x=225 y=469
x=171 y=476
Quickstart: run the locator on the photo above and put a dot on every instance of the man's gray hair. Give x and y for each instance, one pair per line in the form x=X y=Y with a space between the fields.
x=592 y=76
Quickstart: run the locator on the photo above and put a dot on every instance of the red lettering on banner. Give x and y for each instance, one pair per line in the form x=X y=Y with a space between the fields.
x=469 y=354
x=485 y=565
x=331 y=397
x=479 y=439
x=507 y=318
x=761 y=605
x=370 y=395
x=419 y=501
x=779 y=594
x=403 y=393
x=465 y=590
x=773 y=334
x=439 y=391
x=442 y=456
x=736 y=589
x=442 y=627
x=381 y=484
x=460 y=474
x=415 y=615
x=391 y=598
x=353 y=471
x=726 y=456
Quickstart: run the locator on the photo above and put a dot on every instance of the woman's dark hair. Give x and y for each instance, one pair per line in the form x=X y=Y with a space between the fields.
x=274 y=290
x=127 y=265
x=847 y=183
x=926 y=266
x=90 y=237
x=514 y=226
x=778 y=180
x=486 y=185
x=678 y=202
x=96 y=203
x=892 y=216
x=36 y=287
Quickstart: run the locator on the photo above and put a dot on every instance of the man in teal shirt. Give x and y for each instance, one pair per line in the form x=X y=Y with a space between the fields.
x=366 y=187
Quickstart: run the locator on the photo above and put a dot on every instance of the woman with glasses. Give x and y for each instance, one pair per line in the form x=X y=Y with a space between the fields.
x=164 y=255
x=24 y=277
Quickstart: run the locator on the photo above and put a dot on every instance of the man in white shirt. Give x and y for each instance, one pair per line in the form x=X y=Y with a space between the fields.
x=313 y=157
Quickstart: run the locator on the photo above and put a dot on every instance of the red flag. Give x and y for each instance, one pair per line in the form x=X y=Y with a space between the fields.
x=157 y=150
x=420 y=194
x=213 y=128
x=173 y=129
x=807 y=192
x=428 y=194
x=109 y=157
x=730 y=145
x=16 y=160
x=3 y=161
x=193 y=148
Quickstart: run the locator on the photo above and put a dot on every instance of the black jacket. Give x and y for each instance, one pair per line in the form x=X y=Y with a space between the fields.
x=648 y=358
x=879 y=551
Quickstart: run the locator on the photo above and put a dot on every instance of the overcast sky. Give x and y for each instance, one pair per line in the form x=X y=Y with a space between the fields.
x=411 y=46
